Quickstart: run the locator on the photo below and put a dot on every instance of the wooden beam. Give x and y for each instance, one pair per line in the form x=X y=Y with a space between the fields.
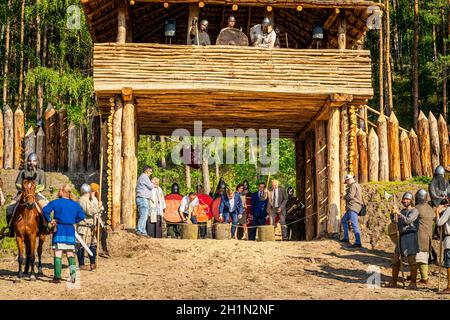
x=329 y=22
x=321 y=176
x=310 y=203
x=122 y=21
x=116 y=174
x=334 y=182
x=342 y=31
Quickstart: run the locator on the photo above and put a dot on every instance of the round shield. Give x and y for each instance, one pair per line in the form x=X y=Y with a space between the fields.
x=248 y=209
x=206 y=199
x=232 y=37
x=172 y=205
x=215 y=208
x=201 y=212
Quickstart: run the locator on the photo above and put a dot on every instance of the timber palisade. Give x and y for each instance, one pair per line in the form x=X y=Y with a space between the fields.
x=311 y=93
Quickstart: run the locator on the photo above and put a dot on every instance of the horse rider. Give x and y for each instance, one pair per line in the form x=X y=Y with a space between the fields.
x=31 y=172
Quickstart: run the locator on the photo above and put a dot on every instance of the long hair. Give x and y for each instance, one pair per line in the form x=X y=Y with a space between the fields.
x=66 y=192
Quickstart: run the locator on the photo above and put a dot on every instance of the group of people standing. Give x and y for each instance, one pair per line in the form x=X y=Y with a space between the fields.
x=245 y=210
x=262 y=35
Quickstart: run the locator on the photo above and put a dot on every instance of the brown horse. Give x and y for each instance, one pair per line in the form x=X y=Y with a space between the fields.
x=26 y=227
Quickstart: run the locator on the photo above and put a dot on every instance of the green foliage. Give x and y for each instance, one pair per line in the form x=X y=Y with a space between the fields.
x=6 y=244
x=422 y=179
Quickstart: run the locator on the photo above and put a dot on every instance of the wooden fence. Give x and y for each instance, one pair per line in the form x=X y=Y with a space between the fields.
x=387 y=152
x=59 y=146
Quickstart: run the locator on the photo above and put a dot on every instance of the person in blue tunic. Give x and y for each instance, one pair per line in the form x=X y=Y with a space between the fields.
x=66 y=213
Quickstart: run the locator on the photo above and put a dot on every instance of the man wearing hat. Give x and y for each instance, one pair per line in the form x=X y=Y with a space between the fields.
x=407 y=224
x=353 y=205
x=199 y=36
x=262 y=35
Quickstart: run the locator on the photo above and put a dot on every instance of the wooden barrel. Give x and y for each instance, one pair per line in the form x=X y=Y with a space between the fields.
x=392 y=232
x=266 y=233
x=223 y=231
x=189 y=231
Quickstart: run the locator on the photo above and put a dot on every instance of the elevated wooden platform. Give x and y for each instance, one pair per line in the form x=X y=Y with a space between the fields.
x=228 y=87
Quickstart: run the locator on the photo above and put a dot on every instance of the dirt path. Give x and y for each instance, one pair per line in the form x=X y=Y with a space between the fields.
x=211 y=269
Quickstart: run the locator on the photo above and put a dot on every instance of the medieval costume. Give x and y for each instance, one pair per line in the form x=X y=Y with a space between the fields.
x=443 y=220
x=200 y=37
x=262 y=35
x=407 y=225
x=425 y=232
x=438 y=187
x=173 y=230
x=66 y=213
x=157 y=205
x=86 y=229
x=293 y=215
x=95 y=199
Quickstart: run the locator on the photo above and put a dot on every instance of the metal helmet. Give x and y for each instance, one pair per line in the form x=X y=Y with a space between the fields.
x=205 y=23
x=440 y=171
x=245 y=184
x=231 y=19
x=175 y=188
x=32 y=157
x=421 y=196
x=266 y=22
x=290 y=191
x=85 y=188
x=408 y=195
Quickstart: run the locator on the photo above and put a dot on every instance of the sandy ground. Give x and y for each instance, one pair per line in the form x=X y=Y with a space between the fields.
x=211 y=269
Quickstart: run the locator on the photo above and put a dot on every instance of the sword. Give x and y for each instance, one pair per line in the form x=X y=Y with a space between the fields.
x=83 y=244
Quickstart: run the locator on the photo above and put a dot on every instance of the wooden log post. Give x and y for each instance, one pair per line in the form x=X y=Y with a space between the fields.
x=363 y=161
x=423 y=133
x=83 y=148
x=343 y=151
x=416 y=162
x=73 y=148
x=9 y=138
x=353 y=142
x=51 y=138
x=309 y=187
x=129 y=165
x=93 y=161
x=382 y=132
x=405 y=156
x=40 y=147
x=374 y=155
x=300 y=169
x=434 y=140
x=63 y=139
x=19 y=134
x=342 y=30
x=443 y=141
x=334 y=181
x=29 y=143
x=117 y=163
x=2 y=137
x=321 y=176
x=121 y=21
x=394 y=148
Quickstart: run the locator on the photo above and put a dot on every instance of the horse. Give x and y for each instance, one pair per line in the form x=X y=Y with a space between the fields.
x=26 y=227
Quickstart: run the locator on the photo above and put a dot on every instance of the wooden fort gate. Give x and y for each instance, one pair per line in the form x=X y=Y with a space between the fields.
x=144 y=86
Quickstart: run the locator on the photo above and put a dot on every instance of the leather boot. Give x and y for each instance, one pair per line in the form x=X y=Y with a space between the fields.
x=395 y=271
x=413 y=270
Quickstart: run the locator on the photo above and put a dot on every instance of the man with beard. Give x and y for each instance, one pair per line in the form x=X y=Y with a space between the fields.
x=30 y=172
x=425 y=232
x=407 y=224
x=438 y=187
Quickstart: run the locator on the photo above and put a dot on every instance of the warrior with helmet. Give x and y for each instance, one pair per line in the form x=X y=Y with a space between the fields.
x=424 y=233
x=407 y=224
x=438 y=187
x=29 y=172
x=199 y=35
x=86 y=228
x=263 y=35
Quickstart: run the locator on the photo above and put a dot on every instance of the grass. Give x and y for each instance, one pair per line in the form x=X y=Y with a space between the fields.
x=6 y=244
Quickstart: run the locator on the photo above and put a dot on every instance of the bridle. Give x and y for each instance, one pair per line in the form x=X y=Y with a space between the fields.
x=28 y=193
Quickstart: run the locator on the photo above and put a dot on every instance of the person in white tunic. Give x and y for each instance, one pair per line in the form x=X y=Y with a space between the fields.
x=157 y=205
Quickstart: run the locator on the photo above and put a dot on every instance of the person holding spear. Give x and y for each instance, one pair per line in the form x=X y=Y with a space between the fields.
x=442 y=213
x=408 y=245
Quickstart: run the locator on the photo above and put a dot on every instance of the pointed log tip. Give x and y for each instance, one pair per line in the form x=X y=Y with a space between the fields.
x=412 y=133
x=49 y=107
x=41 y=131
x=441 y=118
x=421 y=115
x=6 y=107
x=372 y=132
x=393 y=118
x=403 y=135
x=18 y=111
x=431 y=116
x=381 y=118
x=30 y=131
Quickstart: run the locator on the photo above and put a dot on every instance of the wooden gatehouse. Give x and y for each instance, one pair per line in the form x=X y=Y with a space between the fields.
x=308 y=90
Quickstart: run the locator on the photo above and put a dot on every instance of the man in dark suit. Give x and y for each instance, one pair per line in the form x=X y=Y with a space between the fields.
x=259 y=210
x=231 y=205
